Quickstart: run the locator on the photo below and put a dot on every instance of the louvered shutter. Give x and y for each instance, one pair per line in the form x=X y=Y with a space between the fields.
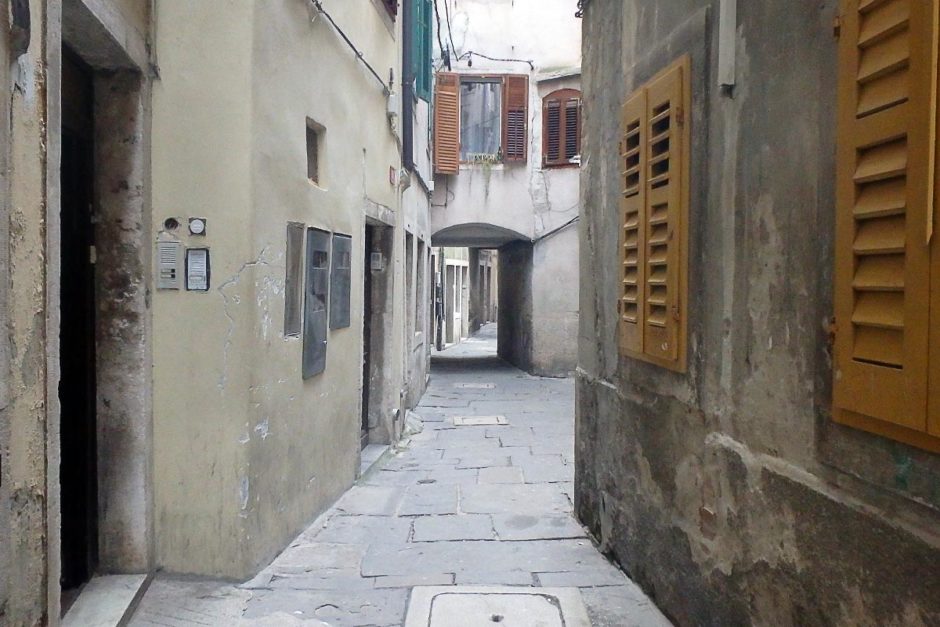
x=632 y=219
x=515 y=118
x=884 y=189
x=665 y=181
x=572 y=128
x=447 y=123
x=561 y=127
x=552 y=131
x=654 y=152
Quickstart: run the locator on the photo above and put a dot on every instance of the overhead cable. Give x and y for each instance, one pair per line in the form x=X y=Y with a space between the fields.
x=359 y=55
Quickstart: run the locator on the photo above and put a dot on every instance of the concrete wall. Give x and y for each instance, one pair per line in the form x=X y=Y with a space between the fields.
x=727 y=492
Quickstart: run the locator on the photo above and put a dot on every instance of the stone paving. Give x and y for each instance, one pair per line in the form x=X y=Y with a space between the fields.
x=483 y=505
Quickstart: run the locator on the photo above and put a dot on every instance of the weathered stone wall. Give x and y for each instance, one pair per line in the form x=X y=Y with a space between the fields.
x=727 y=492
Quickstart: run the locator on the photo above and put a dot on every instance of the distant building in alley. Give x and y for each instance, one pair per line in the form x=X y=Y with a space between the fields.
x=507 y=133
x=216 y=238
x=758 y=419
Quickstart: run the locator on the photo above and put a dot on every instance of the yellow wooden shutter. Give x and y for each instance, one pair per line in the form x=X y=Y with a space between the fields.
x=632 y=219
x=654 y=245
x=665 y=182
x=447 y=123
x=884 y=189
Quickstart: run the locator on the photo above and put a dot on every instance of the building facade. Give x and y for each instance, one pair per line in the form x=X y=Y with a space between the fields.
x=217 y=282
x=507 y=148
x=756 y=427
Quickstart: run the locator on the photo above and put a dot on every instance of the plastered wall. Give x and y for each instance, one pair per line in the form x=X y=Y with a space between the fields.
x=526 y=200
x=247 y=452
x=727 y=492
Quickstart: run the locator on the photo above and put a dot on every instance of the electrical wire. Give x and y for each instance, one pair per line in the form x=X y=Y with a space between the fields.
x=445 y=54
x=470 y=53
x=557 y=229
x=450 y=29
x=359 y=55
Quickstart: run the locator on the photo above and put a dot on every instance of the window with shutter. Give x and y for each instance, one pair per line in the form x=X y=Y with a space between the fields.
x=422 y=48
x=447 y=123
x=515 y=118
x=885 y=196
x=561 y=128
x=654 y=219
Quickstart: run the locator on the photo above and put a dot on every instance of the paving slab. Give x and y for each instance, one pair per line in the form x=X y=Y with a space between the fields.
x=460 y=527
x=378 y=607
x=507 y=474
x=347 y=529
x=532 y=500
x=622 y=606
x=431 y=498
x=371 y=500
x=546 y=527
x=444 y=508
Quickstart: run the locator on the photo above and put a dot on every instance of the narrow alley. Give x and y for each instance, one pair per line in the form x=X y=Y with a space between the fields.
x=451 y=505
x=465 y=312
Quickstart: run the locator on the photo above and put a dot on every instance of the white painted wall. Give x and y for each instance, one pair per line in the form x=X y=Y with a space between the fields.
x=525 y=198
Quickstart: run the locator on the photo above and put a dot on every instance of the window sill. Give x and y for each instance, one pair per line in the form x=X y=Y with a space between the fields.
x=316 y=186
x=559 y=166
x=465 y=165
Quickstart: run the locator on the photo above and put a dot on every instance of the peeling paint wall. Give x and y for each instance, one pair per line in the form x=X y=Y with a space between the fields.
x=526 y=199
x=727 y=492
x=29 y=557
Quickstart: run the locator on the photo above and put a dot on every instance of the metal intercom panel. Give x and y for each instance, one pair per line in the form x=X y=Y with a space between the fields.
x=168 y=265
x=316 y=295
x=197 y=269
x=340 y=281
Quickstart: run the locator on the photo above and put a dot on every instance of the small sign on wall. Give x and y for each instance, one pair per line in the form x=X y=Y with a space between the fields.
x=197 y=269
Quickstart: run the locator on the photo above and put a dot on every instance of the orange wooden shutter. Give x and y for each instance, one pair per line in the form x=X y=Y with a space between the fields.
x=515 y=118
x=551 y=131
x=561 y=127
x=666 y=243
x=887 y=89
x=632 y=218
x=572 y=126
x=447 y=123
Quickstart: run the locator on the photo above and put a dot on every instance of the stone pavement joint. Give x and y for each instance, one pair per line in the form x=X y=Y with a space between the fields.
x=449 y=506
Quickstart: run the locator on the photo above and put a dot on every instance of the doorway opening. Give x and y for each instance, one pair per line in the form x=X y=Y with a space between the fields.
x=366 y=334
x=379 y=400
x=77 y=351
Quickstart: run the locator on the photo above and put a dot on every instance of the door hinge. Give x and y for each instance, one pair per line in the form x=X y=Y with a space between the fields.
x=92 y=255
x=833 y=330
x=680 y=116
x=837 y=26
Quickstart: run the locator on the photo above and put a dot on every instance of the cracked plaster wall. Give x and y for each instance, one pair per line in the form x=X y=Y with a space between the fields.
x=247 y=452
x=525 y=198
x=727 y=492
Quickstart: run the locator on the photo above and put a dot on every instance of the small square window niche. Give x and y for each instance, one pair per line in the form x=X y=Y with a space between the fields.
x=314 y=146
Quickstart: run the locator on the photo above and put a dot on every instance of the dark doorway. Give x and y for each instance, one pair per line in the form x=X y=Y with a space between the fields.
x=366 y=332
x=77 y=394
